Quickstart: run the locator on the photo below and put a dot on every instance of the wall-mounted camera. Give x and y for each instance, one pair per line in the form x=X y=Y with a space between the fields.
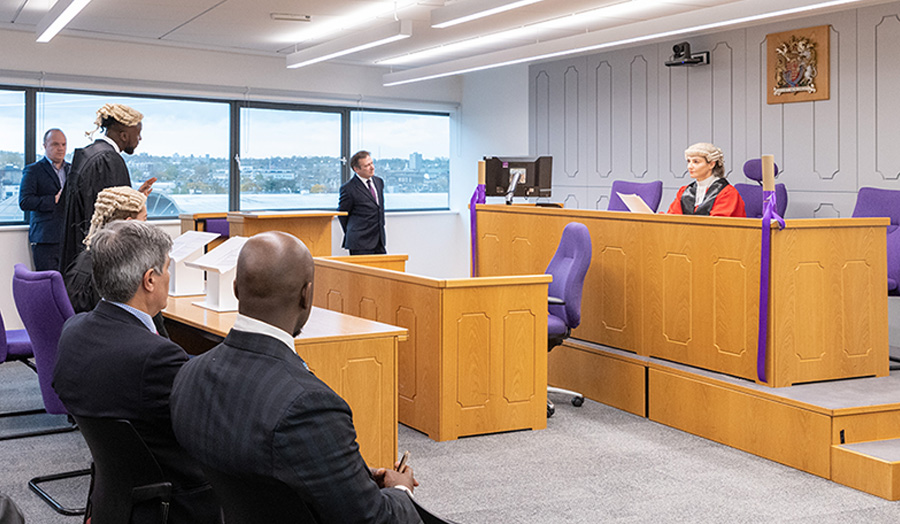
x=682 y=56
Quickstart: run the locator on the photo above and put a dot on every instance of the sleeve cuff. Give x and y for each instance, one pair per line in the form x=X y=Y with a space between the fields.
x=404 y=488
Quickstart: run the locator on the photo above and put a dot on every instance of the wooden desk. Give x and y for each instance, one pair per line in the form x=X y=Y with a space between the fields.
x=686 y=288
x=357 y=358
x=312 y=227
x=476 y=358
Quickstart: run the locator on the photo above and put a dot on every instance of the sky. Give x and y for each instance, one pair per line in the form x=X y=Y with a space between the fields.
x=201 y=128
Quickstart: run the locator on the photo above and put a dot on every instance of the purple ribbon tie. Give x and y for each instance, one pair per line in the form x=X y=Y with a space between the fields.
x=769 y=214
x=478 y=197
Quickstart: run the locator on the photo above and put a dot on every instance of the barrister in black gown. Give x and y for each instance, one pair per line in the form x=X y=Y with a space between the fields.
x=94 y=168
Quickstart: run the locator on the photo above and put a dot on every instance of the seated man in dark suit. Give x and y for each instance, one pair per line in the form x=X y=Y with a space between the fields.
x=112 y=364
x=250 y=407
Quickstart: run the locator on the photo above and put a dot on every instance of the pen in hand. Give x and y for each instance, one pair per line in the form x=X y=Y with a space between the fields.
x=402 y=464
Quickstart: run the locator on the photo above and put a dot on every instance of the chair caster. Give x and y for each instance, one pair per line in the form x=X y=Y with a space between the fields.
x=577 y=401
x=551 y=409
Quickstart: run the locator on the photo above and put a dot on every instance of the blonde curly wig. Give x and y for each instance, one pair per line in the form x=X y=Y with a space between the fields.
x=121 y=113
x=114 y=203
x=711 y=153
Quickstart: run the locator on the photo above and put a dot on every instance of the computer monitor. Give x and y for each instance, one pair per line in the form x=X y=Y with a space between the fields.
x=534 y=178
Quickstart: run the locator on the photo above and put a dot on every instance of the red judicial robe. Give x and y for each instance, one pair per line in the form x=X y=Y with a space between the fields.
x=721 y=200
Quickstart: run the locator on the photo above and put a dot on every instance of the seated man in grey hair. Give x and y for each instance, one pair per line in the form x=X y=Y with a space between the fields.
x=113 y=364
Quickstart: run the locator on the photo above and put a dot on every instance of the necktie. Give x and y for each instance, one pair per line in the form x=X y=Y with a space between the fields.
x=372 y=189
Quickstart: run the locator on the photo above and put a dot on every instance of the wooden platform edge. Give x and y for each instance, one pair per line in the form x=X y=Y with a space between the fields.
x=865 y=473
x=792 y=433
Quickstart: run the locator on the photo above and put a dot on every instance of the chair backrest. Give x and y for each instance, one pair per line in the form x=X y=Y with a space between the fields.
x=4 y=348
x=217 y=225
x=127 y=479
x=569 y=267
x=874 y=202
x=751 y=194
x=255 y=500
x=44 y=307
x=650 y=192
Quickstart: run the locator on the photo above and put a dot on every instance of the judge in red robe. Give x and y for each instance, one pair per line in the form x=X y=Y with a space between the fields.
x=709 y=194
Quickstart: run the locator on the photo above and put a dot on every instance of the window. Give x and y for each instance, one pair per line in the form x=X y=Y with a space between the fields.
x=12 y=153
x=290 y=159
x=411 y=153
x=290 y=156
x=184 y=144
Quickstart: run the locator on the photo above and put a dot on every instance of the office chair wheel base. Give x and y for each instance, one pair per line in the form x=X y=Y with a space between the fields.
x=577 y=401
x=551 y=409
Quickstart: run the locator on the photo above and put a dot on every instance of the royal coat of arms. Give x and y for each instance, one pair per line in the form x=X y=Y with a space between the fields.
x=795 y=70
x=798 y=65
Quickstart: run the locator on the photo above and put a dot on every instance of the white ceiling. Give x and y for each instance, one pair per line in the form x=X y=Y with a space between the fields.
x=247 y=25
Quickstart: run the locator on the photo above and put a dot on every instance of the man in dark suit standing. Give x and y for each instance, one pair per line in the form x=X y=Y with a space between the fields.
x=113 y=364
x=362 y=198
x=39 y=194
x=251 y=408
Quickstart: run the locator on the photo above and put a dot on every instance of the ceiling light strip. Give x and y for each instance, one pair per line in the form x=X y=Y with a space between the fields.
x=351 y=44
x=460 y=13
x=751 y=11
x=62 y=12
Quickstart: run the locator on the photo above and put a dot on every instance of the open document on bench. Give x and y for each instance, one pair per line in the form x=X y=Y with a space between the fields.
x=635 y=203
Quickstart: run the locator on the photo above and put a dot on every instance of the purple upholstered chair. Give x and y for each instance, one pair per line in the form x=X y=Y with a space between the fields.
x=44 y=306
x=752 y=194
x=568 y=268
x=217 y=225
x=872 y=202
x=14 y=345
x=650 y=192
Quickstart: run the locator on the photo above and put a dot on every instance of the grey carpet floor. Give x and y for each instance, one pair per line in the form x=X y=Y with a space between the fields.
x=592 y=464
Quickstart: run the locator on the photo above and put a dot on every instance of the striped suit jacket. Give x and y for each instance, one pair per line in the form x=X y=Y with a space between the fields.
x=249 y=407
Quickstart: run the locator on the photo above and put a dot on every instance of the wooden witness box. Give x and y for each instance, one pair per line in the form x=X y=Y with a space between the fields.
x=312 y=227
x=686 y=288
x=475 y=361
x=356 y=357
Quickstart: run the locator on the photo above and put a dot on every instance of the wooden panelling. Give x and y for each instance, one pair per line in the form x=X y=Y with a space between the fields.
x=826 y=314
x=686 y=289
x=312 y=227
x=475 y=361
x=598 y=376
x=742 y=421
x=865 y=427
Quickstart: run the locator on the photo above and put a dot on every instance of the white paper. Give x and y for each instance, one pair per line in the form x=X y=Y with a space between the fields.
x=635 y=204
x=188 y=243
x=222 y=258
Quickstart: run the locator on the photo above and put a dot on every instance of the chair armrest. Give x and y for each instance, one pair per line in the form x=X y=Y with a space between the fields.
x=555 y=301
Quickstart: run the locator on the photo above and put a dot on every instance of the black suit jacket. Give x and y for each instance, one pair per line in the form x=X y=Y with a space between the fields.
x=249 y=407
x=110 y=365
x=37 y=196
x=364 y=224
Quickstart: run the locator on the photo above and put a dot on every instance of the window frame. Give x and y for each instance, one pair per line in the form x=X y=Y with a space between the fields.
x=234 y=134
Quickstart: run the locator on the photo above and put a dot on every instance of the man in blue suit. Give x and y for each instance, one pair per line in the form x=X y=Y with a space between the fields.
x=362 y=198
x=39 y=194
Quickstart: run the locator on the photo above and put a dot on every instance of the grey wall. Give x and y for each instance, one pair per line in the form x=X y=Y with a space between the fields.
x=624 y=115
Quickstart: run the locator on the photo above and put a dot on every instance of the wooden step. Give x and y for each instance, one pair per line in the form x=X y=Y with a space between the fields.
x=873 y=467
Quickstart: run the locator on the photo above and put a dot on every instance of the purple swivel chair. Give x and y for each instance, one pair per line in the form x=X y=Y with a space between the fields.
x=650 y=192
x=568 y=268
x=44 y=306
x=752 y=194
x=15 y=346
x=872 y=202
